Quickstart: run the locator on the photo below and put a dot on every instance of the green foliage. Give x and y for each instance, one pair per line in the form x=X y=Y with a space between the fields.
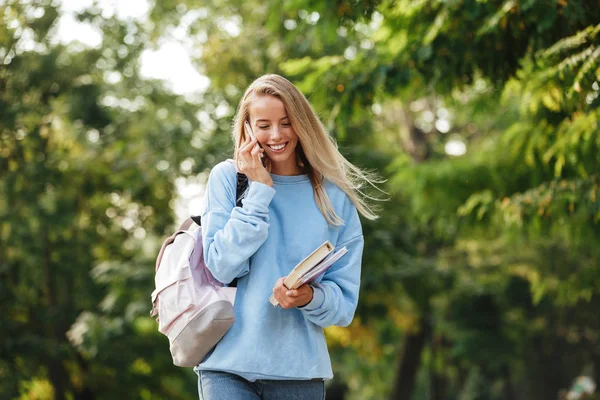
x=495 y=249
x=87 y=177
x=529 y=180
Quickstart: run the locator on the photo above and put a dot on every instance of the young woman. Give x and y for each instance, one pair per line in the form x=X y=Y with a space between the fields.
x=305 y=193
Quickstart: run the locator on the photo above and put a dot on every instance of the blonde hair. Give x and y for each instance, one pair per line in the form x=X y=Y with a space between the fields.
x=316 y=151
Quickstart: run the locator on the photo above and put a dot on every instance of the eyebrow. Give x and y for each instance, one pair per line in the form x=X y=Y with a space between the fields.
x=266 y=120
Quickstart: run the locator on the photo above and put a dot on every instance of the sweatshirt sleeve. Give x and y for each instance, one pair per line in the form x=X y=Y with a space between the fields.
x=230 y=234
x=335 y=298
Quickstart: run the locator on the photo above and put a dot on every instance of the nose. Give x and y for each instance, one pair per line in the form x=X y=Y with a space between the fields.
x=275 y=134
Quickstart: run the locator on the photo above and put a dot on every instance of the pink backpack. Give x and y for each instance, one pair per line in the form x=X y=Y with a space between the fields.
x=194 y=309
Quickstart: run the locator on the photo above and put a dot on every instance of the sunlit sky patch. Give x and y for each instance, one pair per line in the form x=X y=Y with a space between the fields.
x=170 y=62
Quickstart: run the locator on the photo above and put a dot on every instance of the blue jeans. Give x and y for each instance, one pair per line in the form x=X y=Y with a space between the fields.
x=216 y=385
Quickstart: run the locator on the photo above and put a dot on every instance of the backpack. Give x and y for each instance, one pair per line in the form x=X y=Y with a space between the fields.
x=194 y=309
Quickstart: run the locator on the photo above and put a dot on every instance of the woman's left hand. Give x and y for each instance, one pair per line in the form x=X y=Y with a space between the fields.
x=292 y=298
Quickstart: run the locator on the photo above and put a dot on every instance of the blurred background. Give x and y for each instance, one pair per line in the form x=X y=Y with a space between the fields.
x=480 y=279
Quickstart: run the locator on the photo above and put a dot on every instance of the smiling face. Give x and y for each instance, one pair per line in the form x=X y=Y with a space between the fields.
x=273 y=130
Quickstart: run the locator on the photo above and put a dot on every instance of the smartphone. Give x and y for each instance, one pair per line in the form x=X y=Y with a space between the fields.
x=251 y=134
x=249 y=131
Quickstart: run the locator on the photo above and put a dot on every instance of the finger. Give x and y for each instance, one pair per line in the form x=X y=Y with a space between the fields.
x=284 y=302
x=244 y=142
x=282 y=279
x=279 y=290
x=247 y=147
x=244 y=154
x=296 y=302
x=279 y=283
x=255 y=152
x=281 y=300
x=241 y=155
x=304 y=295
x=287 y=302
x=302 y=290
x=293 y=293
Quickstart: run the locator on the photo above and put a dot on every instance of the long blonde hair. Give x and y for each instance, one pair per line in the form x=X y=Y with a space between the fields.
x=316 y=151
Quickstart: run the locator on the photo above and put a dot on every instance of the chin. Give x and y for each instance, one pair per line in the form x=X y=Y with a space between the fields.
x=283 y=158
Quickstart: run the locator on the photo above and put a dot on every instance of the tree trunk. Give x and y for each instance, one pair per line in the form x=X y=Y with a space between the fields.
x=438 y=382
x=58 y=377
x=86 y=393
x=547 y=377
x=56 y=370
x=439 y=386
x=414 y=140
x=509 y=391
x=596 y=362
x=409 y=362
x=337 y=391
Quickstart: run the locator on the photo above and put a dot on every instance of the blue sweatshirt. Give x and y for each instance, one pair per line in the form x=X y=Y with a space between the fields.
x=262 y=241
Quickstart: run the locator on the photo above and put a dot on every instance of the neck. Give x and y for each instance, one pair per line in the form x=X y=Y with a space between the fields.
x=286 y=169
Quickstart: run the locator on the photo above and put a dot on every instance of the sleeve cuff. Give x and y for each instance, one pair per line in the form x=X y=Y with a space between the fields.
x=317 y=300
x=259 y=192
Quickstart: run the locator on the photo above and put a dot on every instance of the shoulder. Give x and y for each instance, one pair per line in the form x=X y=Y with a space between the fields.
x=341 y=202
x=223 y=173
x=222 y=181
x=337 y=196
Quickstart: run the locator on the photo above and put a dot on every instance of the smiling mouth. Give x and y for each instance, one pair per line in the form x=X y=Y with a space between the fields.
x=277 y=147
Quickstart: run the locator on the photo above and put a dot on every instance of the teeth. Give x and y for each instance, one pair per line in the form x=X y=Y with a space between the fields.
x=278 y=147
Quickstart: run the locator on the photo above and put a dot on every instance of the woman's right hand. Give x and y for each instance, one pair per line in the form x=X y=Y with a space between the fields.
x=249 y=162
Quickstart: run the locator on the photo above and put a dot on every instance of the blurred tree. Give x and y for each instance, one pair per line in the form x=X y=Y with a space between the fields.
x=405 y=81
x=479 y=280
x=89 y=153
x=497 y=68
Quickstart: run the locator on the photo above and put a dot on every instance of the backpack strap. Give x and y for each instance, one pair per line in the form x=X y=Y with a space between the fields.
x=187 y=223
x=240 y=192
x=241 y=186
x=240 y=189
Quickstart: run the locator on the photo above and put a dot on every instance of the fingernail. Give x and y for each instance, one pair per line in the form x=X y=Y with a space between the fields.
x=288 y=293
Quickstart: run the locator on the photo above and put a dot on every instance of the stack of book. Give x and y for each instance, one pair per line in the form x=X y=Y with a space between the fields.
x=312 y=267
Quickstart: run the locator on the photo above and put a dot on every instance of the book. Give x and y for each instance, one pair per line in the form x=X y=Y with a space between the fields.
x=320 y=268
x=309 y=269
